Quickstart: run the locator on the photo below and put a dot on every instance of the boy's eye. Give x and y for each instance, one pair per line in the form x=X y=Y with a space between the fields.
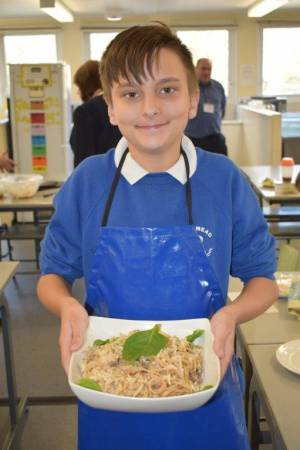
x=131 y=94
x=167 y=90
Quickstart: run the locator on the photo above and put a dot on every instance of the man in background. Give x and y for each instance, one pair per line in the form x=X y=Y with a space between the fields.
x=205 y=129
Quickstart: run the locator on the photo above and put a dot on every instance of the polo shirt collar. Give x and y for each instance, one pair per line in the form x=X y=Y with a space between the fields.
x=133 y=172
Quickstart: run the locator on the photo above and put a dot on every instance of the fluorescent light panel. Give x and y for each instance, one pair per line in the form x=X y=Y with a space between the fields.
x=56 y=10
x=265 y=7
x=113 y=18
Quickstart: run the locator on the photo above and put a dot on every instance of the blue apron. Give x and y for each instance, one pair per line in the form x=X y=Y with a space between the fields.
x=159 y=274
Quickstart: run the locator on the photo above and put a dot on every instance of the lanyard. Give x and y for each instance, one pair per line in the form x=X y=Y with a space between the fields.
x=117 y=178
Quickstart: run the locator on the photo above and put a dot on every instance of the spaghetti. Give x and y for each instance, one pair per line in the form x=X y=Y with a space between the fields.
x=176 y=370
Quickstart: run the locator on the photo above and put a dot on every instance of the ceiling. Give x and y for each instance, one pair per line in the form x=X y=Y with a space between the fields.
x=30 y=8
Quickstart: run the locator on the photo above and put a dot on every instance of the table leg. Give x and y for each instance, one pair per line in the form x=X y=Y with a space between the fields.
x=257 y=401
x=16 y=410
x=253 y=418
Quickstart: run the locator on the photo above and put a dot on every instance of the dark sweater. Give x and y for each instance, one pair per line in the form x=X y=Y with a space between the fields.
x=92 y=131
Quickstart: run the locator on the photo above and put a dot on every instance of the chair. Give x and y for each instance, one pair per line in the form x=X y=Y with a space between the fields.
x=19 y=232
x=288 y=259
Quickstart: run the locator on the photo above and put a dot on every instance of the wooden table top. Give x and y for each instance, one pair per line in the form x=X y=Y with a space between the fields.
x=271 y=328
x=257 y=174
x=7 y=270
x=42 y=200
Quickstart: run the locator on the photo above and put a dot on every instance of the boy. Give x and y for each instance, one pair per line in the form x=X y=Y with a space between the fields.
x=175 y=222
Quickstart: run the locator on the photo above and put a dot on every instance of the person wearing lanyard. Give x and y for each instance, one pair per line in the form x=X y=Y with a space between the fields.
x=204 y=129
x=156 y=239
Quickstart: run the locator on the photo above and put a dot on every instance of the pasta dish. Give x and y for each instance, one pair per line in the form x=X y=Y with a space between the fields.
x=176 y=369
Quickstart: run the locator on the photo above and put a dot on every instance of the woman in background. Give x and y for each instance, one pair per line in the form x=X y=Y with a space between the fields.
x=92 y=131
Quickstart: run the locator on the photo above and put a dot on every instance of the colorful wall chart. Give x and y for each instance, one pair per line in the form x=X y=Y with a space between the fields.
x=38 y=137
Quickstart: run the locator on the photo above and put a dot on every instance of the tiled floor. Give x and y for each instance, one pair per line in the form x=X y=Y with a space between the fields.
x=38 y=370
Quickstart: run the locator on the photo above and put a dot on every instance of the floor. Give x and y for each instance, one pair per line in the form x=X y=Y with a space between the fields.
x=37 y=364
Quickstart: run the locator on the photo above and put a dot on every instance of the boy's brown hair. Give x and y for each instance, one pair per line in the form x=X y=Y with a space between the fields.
x=132 y=52
x=87 y=79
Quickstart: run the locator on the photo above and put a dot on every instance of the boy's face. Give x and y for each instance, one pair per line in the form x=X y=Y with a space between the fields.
x=153 y=115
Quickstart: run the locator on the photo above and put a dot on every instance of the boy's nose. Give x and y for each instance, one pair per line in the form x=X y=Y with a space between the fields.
x=150 y=105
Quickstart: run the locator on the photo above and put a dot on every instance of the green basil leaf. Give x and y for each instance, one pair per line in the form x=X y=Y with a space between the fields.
x=144 y=343
x=196 y=333
x=90 y=384
x=206 y=387
x=99 y=342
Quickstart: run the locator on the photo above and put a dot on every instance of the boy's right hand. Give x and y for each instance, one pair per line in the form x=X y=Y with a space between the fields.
x=74 y=322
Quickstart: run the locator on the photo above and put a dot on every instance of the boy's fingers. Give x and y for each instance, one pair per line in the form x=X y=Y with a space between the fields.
x=78 y=329
x=65 y=342
x=219 y=346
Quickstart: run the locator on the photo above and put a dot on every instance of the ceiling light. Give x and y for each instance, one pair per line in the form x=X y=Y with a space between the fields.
x=56 y=10
x=264 y=7
x=113 y=14
x=113 y=18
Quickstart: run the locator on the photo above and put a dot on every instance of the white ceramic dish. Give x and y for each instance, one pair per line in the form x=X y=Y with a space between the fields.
x=103 y=328
x=288 y=355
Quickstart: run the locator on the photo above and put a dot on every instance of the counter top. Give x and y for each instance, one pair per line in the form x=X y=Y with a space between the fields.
x=7 y=270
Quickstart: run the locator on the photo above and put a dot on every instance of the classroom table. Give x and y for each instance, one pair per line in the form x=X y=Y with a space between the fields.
x=41 y=208
x=41 y=201
x=278 y=392
x=256 y=174
x=17 y=407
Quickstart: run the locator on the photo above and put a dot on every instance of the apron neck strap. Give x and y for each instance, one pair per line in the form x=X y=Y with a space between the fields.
x=113 y=189
x=117 y=178
x=188 y=189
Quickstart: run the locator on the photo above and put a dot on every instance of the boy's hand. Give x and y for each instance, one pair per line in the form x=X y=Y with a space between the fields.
x=223 y=328
x=74 y=322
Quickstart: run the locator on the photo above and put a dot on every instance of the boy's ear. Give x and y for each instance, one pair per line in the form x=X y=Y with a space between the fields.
x=194 y=100
x=111 y=114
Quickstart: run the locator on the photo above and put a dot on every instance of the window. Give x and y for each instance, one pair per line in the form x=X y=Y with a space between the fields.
x=30 y=48
x=98 y=43
x=212 y=44
x=26 y=48
x=281 y=61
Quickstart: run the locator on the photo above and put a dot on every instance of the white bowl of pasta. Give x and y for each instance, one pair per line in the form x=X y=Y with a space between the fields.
x=145 y=366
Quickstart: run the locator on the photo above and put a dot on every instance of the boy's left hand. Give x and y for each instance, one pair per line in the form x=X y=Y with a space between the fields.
x=223 y=328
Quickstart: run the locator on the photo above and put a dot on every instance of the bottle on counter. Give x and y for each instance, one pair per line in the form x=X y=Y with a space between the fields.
x=287 y=167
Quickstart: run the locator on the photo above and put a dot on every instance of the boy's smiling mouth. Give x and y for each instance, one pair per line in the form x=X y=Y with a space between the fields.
x=153 y=126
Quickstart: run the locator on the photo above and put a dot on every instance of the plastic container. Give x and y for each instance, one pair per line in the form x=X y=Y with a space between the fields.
x=287 y=167
x=22 y=185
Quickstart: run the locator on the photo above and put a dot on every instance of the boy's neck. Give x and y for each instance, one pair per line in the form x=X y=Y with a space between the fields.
x=155 y=162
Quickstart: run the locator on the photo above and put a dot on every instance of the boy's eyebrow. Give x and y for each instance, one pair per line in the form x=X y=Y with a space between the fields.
x=161 y=81
x=168 y=80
